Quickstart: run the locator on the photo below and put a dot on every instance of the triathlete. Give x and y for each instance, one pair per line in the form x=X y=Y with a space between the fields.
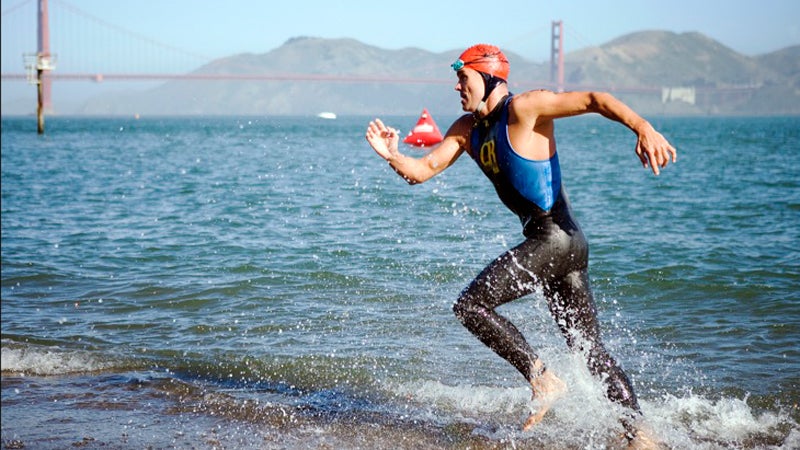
x=511 y=137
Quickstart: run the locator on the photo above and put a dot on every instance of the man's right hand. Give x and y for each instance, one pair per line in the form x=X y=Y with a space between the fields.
x=383 y=139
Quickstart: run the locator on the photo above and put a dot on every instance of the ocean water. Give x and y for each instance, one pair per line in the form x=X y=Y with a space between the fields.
x=269 y=282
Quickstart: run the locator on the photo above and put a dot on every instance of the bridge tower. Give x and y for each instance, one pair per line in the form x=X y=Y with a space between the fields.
x=557 y=55
x=40 y=63
x=44 y=55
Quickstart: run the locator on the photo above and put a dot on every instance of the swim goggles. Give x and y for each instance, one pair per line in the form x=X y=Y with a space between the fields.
x=458 y=65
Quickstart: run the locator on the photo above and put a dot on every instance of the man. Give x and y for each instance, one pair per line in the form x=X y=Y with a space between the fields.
x=511 y=137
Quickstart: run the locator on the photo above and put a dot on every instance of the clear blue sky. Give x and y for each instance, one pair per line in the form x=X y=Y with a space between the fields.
x=222 y=28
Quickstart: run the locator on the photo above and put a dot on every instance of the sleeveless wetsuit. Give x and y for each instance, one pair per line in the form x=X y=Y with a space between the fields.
x=554 y=256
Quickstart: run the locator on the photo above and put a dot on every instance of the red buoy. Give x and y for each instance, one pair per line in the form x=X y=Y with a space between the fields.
x=425 y=132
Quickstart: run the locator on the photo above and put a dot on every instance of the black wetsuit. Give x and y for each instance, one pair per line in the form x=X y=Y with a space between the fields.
x=554 y=256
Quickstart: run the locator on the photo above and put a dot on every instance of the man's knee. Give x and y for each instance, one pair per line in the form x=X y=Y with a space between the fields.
x=465 y=306
x=460 y=309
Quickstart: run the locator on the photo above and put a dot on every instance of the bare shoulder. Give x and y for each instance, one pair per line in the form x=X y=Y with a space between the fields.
x=544 y=104
x=463 y=123
x=527 y=108
x=528 y=101
x=533 y=95
x=460 y=130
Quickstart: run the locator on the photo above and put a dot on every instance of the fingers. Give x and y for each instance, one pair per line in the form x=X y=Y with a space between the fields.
x=655 y=152
x=382 y=139
x=377 y=128
x=654 y=167
x=372 y=130
x=664 y=152
x=376 y=133
x=651 y=158
x=673 y=152
x=641 y=154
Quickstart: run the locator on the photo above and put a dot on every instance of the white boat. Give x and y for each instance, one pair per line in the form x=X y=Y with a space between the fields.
x=326 y=115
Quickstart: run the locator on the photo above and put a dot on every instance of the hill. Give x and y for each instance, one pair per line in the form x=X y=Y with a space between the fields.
x=712 y=78
x=657 y=72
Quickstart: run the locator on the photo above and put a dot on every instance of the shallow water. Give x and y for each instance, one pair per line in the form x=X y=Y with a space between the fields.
x=271 y=283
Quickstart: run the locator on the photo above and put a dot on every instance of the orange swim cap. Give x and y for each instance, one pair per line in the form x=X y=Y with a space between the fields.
x=484 y=58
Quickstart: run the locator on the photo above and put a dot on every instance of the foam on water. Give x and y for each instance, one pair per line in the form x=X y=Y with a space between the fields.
x=43 y=361
x=584 y=418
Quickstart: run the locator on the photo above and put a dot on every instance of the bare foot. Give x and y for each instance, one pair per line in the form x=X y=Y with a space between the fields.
x=547 y=388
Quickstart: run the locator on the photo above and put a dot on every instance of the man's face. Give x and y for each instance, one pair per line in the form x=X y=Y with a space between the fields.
x=470 y=86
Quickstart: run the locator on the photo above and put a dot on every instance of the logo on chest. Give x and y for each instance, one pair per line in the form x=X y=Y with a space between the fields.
x=488 y=157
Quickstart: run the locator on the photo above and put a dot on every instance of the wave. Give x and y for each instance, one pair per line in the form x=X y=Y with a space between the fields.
x=42 y=360
x=292 y=395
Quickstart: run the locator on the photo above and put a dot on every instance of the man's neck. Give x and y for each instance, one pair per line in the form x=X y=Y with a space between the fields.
x=485 y=108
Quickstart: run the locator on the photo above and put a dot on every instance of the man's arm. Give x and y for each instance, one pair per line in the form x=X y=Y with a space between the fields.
x=384 y=140
x=652 y=148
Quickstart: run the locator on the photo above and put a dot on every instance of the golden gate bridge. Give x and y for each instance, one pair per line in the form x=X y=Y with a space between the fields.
x=40 y=35
x=33 y=30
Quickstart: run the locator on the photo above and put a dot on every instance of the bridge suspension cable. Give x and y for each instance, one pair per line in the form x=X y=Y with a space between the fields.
x=86 y=43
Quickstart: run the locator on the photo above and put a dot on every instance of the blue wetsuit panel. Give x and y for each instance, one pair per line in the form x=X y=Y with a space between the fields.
x=520 y=182
x=537 y=180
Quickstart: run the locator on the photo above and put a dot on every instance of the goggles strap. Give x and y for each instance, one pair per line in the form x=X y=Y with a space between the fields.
x=489 y=83
x=480 y=107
